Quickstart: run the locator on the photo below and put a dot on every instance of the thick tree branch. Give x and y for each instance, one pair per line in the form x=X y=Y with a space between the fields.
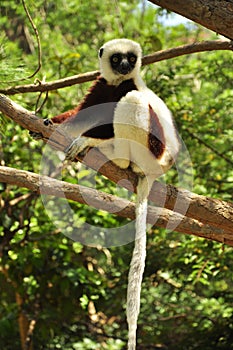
x=152 y=58
x=110 y=203
x=30 y=121
x=209 y=211
x=216 y=15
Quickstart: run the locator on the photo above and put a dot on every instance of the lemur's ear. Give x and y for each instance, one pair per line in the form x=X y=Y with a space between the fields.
x=101 y=51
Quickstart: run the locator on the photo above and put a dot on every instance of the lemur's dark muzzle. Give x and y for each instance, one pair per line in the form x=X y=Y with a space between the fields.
x=124 y=67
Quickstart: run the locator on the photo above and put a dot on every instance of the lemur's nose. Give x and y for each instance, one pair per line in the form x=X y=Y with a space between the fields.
x=124 y=66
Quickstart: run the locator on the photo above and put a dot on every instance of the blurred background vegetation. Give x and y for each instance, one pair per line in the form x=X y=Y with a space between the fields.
x=72 y=295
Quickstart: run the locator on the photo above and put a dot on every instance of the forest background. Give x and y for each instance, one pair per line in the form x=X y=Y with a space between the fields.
x=56 y=293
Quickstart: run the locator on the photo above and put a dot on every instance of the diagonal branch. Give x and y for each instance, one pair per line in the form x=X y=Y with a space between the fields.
x=213 y=149
x=112 y=204
x=209 y=211
x=152 y=58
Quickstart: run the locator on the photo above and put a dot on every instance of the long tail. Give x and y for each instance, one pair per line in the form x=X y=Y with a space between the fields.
x=137 y=264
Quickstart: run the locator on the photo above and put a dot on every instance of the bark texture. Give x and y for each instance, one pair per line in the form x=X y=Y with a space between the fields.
x=216 y=15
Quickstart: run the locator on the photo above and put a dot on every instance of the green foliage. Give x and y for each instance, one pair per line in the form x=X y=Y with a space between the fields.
x=76 y=293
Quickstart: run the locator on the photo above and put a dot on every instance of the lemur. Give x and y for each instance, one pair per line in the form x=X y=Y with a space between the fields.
x=141 y=135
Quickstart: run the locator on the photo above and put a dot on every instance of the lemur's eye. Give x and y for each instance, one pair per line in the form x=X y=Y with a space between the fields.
x=115 y=59
x=132 y=59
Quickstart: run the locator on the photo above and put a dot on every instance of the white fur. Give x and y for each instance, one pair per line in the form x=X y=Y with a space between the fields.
x=133 y=110
x=131 y=125
x=137 y=264
x=123 y=46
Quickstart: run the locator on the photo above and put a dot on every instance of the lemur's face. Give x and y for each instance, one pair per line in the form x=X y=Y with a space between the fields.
x=123 y=63
x=120 y=59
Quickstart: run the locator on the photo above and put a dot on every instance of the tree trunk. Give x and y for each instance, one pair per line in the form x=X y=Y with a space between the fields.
x=216 y=15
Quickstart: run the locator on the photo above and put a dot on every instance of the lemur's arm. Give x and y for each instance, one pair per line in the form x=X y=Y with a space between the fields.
x=93 y=97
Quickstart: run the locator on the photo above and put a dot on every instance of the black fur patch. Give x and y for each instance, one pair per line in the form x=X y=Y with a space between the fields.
x=101 y=52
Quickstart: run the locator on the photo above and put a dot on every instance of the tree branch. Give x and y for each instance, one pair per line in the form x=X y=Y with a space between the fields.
x=209 y=211
x=152 y=58
x=103 y=201
x=216 y=15
x=208 y=45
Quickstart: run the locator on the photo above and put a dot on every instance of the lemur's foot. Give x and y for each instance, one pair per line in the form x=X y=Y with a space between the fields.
x=78 y=146
x=36 y=135
x=48 y=122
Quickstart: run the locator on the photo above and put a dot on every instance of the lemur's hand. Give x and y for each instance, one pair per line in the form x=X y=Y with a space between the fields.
x=78 y=146
x=48 y=122
x=38 y=135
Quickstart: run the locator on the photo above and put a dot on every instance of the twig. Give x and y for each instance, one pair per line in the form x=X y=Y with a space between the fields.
x=221 y=155
x=39 y=108
x=38 y=42
x=200 y=271
x=149 y=59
